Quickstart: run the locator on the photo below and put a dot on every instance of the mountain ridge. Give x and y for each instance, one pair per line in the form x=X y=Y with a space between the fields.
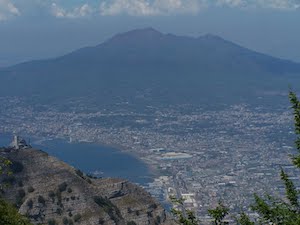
x=151 y=33
x=148 y=59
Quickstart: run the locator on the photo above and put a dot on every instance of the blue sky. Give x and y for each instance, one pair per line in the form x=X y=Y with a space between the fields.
x=34 y=29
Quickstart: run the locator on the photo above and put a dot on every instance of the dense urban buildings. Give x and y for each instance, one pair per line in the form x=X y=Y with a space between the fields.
x=203 y=155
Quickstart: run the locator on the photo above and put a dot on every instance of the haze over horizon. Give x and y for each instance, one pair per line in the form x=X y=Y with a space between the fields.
x=42 y=29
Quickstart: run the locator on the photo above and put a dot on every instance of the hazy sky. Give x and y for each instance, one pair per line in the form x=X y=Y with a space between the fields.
x=34 y=29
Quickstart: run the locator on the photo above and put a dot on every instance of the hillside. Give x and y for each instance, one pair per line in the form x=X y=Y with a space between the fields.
x=49 y=191
x=148 y=67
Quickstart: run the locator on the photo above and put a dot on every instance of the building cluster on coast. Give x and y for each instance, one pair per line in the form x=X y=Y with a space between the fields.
x=202 y=155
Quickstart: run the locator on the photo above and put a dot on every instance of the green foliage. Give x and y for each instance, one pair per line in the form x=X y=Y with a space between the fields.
x=291 y=192
x=10 y=216
x=183 y=216
x=296 y=111
x=275 y=211
x=278 y=211
x=219 y=214
x=244 y=220
x=4 y=164
x=4 y=170
x=51 y=222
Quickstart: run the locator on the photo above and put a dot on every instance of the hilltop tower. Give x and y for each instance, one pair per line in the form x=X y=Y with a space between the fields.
x=19 y=143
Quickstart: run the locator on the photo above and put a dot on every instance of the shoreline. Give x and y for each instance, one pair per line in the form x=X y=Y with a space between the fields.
x=153 y=171
x=40 y=141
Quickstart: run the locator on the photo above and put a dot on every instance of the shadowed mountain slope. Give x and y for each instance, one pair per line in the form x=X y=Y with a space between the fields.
x=151 y=64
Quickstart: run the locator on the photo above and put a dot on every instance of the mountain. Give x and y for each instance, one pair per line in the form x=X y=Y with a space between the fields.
x=148 y=66
x=49 y=191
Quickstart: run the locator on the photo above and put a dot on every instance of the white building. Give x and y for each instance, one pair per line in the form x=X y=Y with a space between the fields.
x=19 y=143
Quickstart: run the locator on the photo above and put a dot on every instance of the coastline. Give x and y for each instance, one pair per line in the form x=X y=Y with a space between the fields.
x=152 y=169
x=39 y=142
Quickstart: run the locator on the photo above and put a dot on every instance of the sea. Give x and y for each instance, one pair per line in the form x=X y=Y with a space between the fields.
x=92 y=158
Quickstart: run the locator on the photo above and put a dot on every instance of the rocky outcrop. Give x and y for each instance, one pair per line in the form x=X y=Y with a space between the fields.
x=50 y=191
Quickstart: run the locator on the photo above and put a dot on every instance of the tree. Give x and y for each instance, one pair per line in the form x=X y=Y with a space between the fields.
x=283 y=211
x=10 y=216
x=8 y=213
x=4 y=164
x=219 y=214
x=244 y=220
x=4 y=169
x=183 y=216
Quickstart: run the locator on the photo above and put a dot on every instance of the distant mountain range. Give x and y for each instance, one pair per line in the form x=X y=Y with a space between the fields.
x=149 y=67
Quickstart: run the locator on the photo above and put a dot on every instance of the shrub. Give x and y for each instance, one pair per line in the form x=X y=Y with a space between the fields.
x=20 y=183
x=158 y=220
x=70 y=190
x=41 y=200
x=21 y=193
x=51 y=194
x=79 y=173
x=89 y=180
x=51 y=222
x=149 y=214
x=58 y=195
x=58 y=211
x=9 y=180
x=102 y=202
x=30 y=203
x=62 y=187
x=129 y=210
x=65 y=221
x=16 y=167
x=20 y=197
x=77 y=217
x=30 y=189
x=131 y=223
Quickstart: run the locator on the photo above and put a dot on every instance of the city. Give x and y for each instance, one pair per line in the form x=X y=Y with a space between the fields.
x=201 y=155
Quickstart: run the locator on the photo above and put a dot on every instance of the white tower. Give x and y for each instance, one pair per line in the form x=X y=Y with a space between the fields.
x=15 y=142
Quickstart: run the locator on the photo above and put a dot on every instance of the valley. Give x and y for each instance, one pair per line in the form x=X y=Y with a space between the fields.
x=184 y=145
